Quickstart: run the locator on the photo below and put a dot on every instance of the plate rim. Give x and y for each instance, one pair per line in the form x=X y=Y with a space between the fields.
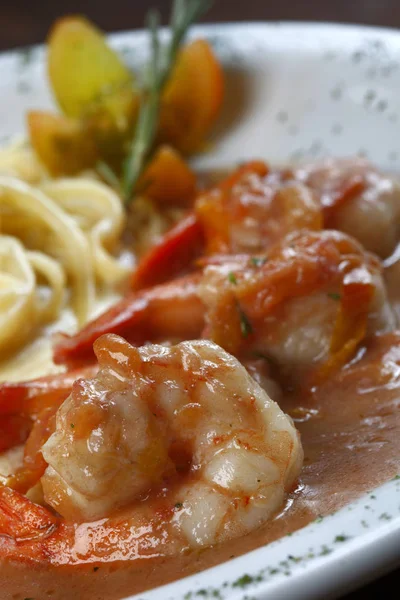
x=362 y=545
x=309 y=24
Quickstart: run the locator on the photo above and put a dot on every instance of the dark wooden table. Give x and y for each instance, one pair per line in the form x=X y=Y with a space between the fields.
x=24 y=22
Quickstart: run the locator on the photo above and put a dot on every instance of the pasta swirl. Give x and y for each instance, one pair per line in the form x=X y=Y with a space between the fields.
x=62 y=238
x=57 y=238
x=21 y=306
x=99 y=213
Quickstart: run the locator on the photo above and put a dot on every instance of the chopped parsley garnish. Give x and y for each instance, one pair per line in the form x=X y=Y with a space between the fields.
x=96 y=569
x=385 y=517
x=243 y=581
x=319 y=519
x=341 y=538
x=232 y=278
x=334 y=296
x=178 y=505
x=72 y=425
x=245 y=325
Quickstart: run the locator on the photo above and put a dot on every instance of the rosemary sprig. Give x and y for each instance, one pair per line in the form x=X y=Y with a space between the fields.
x=183 y=15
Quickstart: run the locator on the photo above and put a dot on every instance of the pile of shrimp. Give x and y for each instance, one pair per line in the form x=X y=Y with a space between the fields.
x=167 y=419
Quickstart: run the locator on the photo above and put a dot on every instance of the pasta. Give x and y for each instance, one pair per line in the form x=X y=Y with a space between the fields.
x=19 y=160
x=99 y=213
x=57 y=238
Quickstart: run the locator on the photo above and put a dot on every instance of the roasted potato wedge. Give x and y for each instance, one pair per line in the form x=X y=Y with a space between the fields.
x=82 y=67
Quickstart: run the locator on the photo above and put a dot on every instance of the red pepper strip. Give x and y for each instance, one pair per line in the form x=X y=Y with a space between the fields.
x=175 y=253
x=14 y=430
x=28 y=398
x=166 y=312
x=21 y=519
x=34 y=465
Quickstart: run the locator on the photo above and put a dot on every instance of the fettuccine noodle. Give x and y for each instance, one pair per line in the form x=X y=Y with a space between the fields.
x=57 y=243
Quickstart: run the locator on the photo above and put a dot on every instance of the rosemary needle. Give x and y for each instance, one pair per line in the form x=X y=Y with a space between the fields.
x=184 y=14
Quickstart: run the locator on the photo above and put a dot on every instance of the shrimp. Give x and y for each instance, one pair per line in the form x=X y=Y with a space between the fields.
x=309 y=300
x=183 y=432
x=307 y=303
x=392 y=280
x=172 y=311
x=255 y=207
x=248 y=211
x=357 y=199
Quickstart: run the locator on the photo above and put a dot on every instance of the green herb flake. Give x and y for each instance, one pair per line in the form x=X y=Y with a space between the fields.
x=319 y=519
x=341 y=538
x=257 y=261
x=25 y=58
x=295 y=559
x=334 y=296
x=385 y=517
x=201 y=593
x=243 y=581
x=72 y=425
x=245 y=325
x=96 y=569
x=232 y=278
x=178 y=505
x=396 y=477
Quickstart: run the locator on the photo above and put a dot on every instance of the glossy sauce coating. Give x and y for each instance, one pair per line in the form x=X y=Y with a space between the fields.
x=349 y=430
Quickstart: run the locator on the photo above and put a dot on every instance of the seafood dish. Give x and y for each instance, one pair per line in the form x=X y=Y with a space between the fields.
x=191 y=365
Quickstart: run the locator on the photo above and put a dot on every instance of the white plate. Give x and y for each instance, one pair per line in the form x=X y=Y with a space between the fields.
x=293 y=92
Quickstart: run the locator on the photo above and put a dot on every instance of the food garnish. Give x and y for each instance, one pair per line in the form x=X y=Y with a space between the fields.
x=112 y=124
